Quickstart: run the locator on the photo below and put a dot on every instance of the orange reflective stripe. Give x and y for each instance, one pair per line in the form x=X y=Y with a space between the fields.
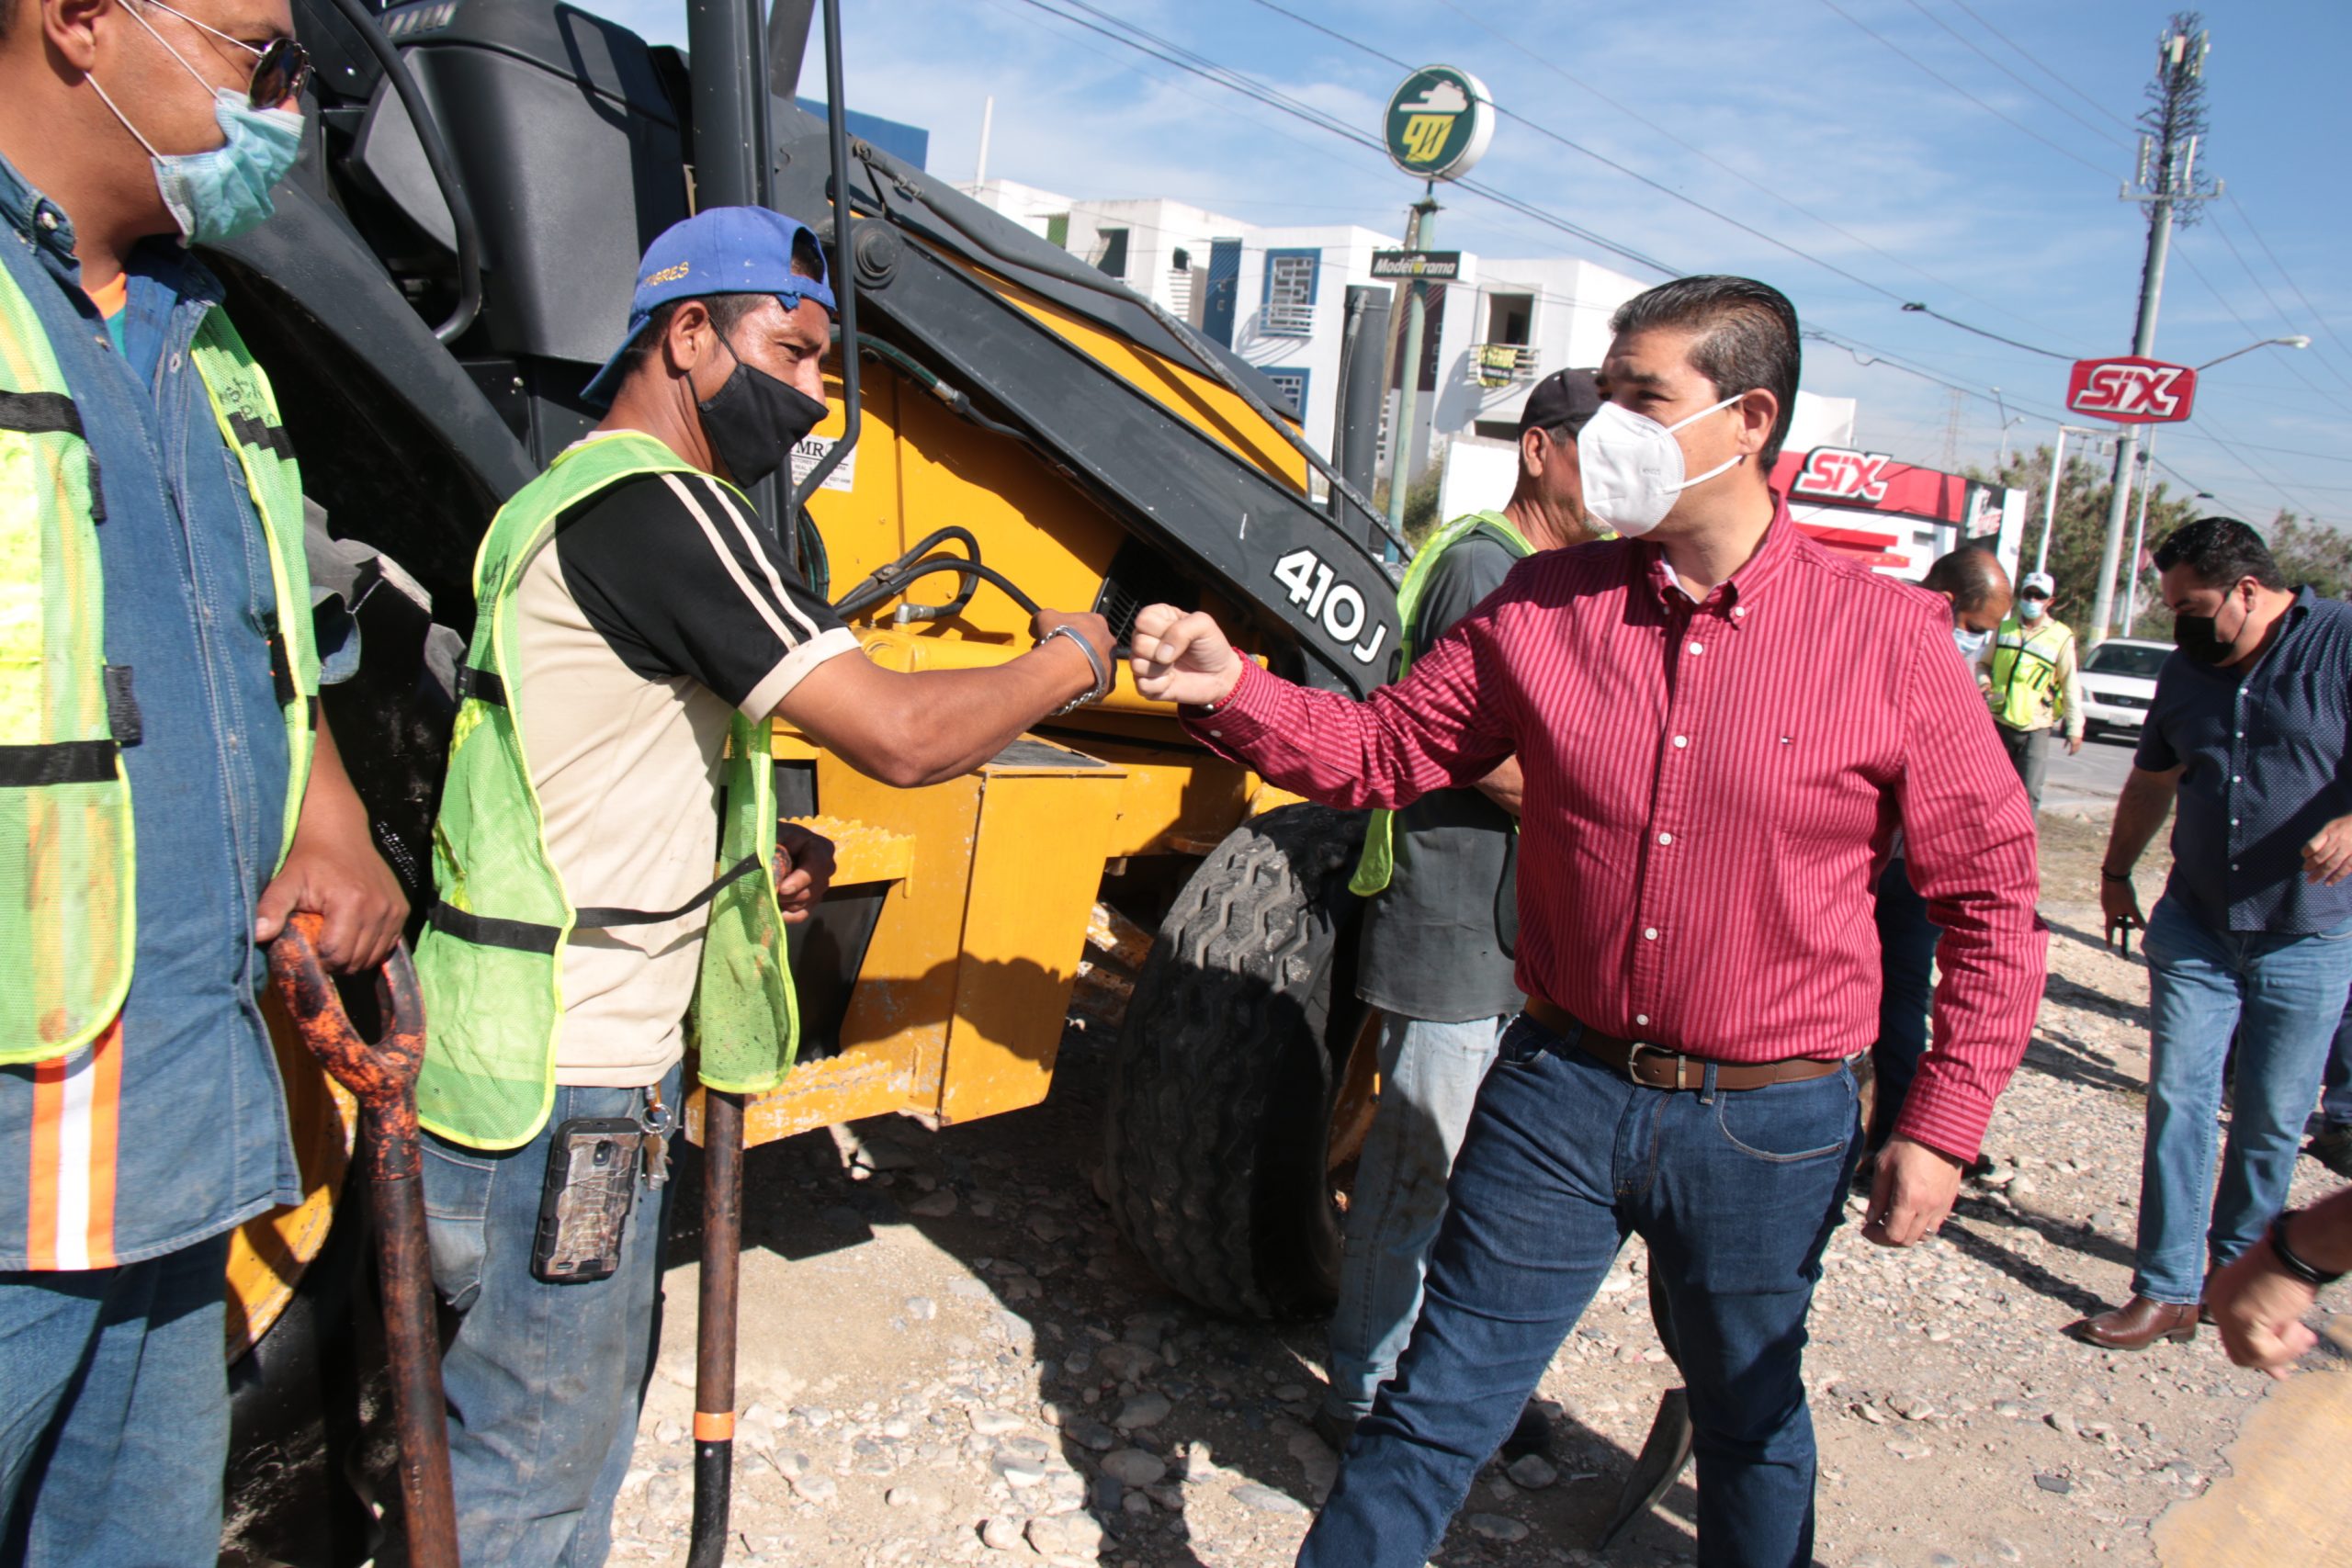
x=40 y=1219
x=76 y=1134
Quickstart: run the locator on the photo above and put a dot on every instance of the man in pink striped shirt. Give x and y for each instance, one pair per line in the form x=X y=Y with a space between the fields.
x=1721 y=727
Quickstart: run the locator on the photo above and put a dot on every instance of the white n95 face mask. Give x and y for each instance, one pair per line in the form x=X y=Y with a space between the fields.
x=1632 y=466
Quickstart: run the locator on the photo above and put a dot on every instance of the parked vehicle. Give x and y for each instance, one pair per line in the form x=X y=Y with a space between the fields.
x=2119 y=682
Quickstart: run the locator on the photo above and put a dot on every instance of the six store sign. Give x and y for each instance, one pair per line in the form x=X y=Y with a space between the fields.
x=2131 y=391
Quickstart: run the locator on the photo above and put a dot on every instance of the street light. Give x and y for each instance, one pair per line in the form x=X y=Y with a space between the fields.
x=2298 y=340
x=2008 y=419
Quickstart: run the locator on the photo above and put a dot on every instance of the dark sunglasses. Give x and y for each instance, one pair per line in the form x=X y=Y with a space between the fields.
x=281 y=66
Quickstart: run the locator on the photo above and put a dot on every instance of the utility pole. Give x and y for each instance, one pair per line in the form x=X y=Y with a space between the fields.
x=1418 y=231
x=2166 y=182
x=2139 y=536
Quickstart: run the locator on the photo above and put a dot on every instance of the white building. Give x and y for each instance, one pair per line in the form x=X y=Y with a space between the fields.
x=1277 y=296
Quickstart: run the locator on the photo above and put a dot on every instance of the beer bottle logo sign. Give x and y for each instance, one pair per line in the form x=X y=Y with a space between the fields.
x=1440 y=121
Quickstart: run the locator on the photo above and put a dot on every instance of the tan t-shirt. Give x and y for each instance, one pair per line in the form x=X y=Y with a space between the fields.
x=658 y=606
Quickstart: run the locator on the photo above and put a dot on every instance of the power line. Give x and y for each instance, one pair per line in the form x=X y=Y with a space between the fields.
x=1996 y=113
x=1225 y=76
x=2033 y=60
x=1211 y=71
x=2245 y=218
x=1972 y=44
x=2198 y=273
x=1980 y=331
x=1643 y=120
x=2280 y=311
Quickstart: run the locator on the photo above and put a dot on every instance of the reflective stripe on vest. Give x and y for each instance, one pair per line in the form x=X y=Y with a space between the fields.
x=2025 y=672
x=68 y=921
x=490 y=961
x=1378 y=862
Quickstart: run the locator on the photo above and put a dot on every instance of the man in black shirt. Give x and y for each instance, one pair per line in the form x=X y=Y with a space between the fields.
x=1436 y=953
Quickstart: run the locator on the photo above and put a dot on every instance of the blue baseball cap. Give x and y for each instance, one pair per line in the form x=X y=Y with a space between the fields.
x=720 y=249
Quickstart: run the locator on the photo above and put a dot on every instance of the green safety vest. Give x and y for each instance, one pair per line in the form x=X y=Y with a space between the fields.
x=490 y=961
x=1379 y=861
x=2025 y=672
x=68 y=914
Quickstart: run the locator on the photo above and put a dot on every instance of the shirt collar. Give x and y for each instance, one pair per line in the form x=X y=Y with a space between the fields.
x=1736 y=597
x=39 y=221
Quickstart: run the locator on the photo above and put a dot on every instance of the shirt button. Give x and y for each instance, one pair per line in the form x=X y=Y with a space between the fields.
x=1739 y=609
x=1666 y=838
x=1651 y=933
x=175 y=362
x=1680 y=741
x=1642 y=1020
x=1698 y=647
x=1216 y=734
x=47 y=221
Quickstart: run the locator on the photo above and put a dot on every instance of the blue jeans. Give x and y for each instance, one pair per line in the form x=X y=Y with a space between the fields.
x=1430 y=1075
x=1906 y=944
x=544 y=1380
x=2336 y=1084
x=1736 y=1193
x=114 y=1413
x=2285 y=995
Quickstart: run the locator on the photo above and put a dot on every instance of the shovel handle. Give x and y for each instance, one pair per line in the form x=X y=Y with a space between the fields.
x=380 y=1073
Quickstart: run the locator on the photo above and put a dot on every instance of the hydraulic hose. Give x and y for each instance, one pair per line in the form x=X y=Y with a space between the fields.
x=877 y=589
x=436 y=159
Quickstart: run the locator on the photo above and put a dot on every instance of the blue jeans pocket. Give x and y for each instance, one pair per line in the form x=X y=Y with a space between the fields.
x=1524 y=1042
x=1783 y=1123
x=456 y=1214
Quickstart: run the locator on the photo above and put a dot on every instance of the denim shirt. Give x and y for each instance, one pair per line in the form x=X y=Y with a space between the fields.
x=174 y=1127
x=2266 y=764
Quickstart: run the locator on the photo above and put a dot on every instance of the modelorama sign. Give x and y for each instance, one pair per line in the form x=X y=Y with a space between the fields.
x=1437 y=266
x=1440 y=121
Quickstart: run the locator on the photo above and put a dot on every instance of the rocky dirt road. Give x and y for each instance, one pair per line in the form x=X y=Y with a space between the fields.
x=948 y=1357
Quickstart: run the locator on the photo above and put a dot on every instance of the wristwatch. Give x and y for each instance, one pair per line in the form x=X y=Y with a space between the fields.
x=2308 y=1273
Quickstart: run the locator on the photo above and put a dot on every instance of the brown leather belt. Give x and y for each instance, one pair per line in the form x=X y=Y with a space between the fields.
x=1654 y=1067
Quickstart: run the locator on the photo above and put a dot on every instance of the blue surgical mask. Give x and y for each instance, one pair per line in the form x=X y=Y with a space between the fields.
x=225 y=192
x=2031 y=609
x=1971 y=644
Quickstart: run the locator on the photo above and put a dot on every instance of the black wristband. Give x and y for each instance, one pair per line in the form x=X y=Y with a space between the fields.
x=2309 y=1273
x=2114 y=875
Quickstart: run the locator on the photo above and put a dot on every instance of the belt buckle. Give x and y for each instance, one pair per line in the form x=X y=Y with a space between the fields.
x=1634 y=1063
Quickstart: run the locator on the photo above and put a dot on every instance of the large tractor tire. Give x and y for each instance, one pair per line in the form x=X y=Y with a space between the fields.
x=1222 y=1136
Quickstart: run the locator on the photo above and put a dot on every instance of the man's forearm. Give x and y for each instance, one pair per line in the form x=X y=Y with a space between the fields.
x=1336 y=751
x=2146 y=801
x=1504 y=786
x=2322 y=1236
x=911 y=729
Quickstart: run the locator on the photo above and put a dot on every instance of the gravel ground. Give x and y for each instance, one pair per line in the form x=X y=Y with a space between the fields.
x=948 y=1357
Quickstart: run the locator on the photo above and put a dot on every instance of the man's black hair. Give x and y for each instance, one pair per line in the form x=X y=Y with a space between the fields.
x=1971 y=574
x=2221 y=551
x=8 y=15
x=1747 y=338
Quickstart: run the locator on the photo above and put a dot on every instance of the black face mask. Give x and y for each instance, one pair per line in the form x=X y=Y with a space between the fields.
x=2199 y=640
x=753 y=420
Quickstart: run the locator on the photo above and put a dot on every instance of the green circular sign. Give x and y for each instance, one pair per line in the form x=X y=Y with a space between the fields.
x=1440 y=120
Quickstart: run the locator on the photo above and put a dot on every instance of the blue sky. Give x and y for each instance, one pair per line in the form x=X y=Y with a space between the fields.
x=1989 y=194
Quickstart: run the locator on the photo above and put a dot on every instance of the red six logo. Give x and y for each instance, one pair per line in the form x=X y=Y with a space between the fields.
x=1844 y=473
x=2132 y=390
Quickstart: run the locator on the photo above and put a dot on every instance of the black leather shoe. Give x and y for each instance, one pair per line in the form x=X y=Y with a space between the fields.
x=2332 y=1147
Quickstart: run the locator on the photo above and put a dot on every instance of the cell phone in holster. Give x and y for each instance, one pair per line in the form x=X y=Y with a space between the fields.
x=592 y=1177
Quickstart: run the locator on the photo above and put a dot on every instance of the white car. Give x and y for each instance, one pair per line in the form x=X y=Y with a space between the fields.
x=2119 y=682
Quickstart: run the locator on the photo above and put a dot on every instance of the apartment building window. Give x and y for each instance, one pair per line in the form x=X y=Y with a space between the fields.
x=1112 y=254
x=1057 y=230
x=1290 y=381
x=1290 y=293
